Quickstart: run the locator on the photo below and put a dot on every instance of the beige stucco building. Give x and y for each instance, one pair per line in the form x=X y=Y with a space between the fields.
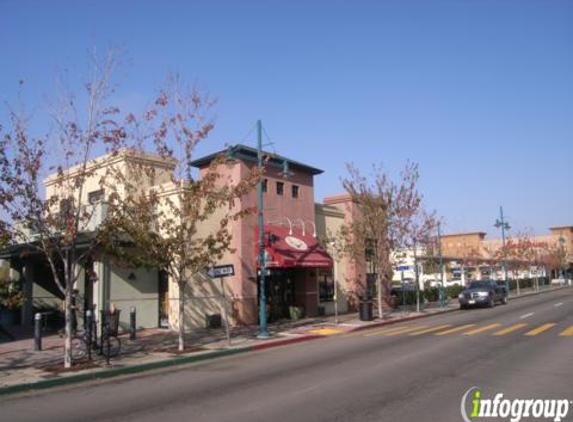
x=302 y=267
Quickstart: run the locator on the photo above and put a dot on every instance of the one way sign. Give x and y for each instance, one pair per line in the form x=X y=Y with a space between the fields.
x=221 y=271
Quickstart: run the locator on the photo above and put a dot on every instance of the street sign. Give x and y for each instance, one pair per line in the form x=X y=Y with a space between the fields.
x=221 y=271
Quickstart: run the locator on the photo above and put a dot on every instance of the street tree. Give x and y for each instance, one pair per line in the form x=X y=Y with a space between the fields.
x=54 y=225
x=389 y=216
x=183 y=226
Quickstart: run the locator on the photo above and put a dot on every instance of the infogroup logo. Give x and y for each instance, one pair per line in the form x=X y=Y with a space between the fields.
x=474 y=407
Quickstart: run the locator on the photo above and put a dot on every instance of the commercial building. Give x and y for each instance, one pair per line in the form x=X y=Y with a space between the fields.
x=301 y=269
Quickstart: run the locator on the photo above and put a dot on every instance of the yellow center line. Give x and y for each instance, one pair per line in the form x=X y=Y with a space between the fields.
x=482 y=329
x=510 y=329
x=539 y=330
x=405 y=330
x=382 y=331
x=429 y=330
x=455 y=330
x=567 y=333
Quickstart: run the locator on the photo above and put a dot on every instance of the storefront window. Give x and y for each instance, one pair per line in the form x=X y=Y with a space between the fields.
x=325 y=286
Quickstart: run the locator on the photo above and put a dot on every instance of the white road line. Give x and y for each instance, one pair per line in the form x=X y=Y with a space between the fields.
x=527 y=315
x=557 y=305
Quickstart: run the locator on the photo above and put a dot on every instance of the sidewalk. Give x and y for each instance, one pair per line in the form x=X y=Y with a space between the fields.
x=22 y=368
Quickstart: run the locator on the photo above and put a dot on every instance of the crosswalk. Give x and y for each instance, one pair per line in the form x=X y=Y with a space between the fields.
x=471 y=330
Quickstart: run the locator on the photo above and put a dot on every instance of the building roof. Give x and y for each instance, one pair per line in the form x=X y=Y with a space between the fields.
x=481 y=234
x=250 y=154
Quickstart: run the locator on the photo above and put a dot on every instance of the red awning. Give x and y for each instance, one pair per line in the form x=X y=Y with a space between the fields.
x=294 y=250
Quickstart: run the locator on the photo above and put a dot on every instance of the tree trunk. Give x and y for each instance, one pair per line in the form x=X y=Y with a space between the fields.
x=68 y=314
x=68 y=330
x=379 y=291
x=181 y=317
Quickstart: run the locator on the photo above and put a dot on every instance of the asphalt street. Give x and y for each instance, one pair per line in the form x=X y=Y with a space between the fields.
x=415 y=371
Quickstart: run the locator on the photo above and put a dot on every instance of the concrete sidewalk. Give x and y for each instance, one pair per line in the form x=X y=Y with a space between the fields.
x=22 y=368
x=20 y=364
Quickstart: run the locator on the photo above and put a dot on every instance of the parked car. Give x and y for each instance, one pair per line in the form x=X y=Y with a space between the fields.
x=561 y=282
x=483 y=293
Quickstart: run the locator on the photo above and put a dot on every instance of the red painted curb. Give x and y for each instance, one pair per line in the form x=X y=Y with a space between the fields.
x=286 y=341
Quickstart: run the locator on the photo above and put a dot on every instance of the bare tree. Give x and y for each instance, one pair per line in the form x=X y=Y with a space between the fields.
x=389 y=217
x=164 y=226
x=56 y=226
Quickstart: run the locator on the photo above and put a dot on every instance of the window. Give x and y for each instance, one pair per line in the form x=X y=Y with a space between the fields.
x=294 y=191
x=280 y=188
x=325 y=286
x=265 y=185
x=96 y=197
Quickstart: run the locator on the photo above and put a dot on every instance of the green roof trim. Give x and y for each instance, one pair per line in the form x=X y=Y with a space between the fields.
x=246 y=153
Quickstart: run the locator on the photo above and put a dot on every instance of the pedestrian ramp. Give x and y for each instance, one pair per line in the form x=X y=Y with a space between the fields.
x=496 y=329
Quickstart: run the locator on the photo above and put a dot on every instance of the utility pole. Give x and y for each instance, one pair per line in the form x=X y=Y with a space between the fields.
x=442 y=298
x=504 y=225
x=263 y=332
x=417 y=276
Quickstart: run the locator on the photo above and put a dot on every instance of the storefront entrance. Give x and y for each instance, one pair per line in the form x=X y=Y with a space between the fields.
x=280 y=292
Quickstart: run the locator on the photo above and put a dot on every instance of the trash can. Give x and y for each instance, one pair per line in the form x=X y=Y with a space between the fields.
x=111 y=318
x=365 y=311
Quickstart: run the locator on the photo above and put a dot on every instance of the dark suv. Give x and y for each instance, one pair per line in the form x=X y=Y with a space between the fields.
x=483 y=292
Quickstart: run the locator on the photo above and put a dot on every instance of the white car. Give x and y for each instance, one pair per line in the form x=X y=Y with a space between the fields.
x=561 y=282
x=447 y=283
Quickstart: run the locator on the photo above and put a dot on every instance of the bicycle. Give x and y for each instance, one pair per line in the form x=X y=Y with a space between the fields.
x=109 y=349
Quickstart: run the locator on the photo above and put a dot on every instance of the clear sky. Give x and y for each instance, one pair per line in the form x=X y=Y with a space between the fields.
x=478 y=92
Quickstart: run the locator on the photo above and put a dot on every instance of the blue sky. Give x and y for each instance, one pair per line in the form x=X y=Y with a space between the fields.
x=478 y=92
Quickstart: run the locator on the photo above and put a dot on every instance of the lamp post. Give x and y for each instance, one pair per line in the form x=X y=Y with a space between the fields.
x=442 y=298
x=504 y=225
x=561 y=241
x=263 y=331
x=334 y=246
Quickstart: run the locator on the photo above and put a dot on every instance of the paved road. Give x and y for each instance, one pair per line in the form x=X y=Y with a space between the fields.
x=413 y=372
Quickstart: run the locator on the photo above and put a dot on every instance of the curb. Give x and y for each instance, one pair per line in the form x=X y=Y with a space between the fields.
x=413 y=318
x=539 y=292
x=134 y=369
x=399 y=320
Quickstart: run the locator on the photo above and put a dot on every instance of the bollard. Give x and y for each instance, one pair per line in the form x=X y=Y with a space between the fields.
x=107 y=341
x=132 y=323
x=89 y=329
x=38 y=331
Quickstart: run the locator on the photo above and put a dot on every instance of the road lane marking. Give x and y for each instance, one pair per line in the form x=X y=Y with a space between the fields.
x=510 y=329
x=540 y=329
x=557 y=305
x=381 y=331
x=482 y=329
x=405 y=330
x=455 y=330
x=567 y=333
x=527 y=315
x=429 y=330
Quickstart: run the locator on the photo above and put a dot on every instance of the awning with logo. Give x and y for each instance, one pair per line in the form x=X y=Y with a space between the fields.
x=293 y=250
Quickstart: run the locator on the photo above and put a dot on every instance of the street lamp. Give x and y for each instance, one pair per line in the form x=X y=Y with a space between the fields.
x=334 y=246
x=561 y=241
x=504 y=225
x=442 y=298
x=263 y=331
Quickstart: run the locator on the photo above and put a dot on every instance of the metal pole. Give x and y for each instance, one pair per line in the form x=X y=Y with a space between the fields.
x=132 y=325
x=504 y=225
x=263 y=331
x=442 y=304
x=38 y=332
x=334 y=275
x=89 y=328
x=417 y=275
x=403 y=292
x=224 y=312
